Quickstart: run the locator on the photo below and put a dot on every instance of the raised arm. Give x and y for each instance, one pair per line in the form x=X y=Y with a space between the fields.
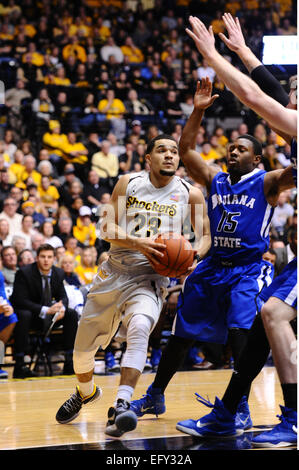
x=242 y=86
x=195 y=165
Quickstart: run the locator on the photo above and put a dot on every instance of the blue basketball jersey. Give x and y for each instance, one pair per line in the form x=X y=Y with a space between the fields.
x=240 y=218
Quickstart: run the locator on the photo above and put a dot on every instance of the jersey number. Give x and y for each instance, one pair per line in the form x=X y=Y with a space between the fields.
x=227 y=222
x=153 y=225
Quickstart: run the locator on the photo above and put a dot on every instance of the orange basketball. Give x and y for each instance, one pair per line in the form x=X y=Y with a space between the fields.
x=178 y=255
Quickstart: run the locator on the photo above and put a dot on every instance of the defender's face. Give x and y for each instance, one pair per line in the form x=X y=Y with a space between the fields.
x=240 y=157
x=164 y=158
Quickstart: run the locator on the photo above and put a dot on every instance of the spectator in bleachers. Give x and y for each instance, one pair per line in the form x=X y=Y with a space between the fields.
x=29 y=208
x=111 y=106
x=43 y=106
x=47 y=230
x=282 y=212
x=87 y=268
x=13 y=100
x=5 y=185
x=84 y=230
x=9 y=144
x=54 y=141
x=133 y=52
x=27 y=230
x=18 y=242
x=74 y=49
x=10 y=214
x=17 y=168
x=67 y=263
x=25 y=257
x=93 y=189
x=105 y=163
x=111 y=49
x=9 y=267
x=30 y=170
x=65 y=228
x=5 y=238
x=134 y=105
x=74 y=152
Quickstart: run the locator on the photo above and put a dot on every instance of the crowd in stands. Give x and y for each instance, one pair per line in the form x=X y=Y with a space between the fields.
x=87 y=84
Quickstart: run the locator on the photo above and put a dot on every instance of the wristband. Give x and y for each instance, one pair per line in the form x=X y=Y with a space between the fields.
x=198 y=258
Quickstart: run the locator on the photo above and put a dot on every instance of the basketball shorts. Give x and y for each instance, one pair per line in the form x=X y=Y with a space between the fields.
x=5 y=321
x=216 y=298
x=114 y=298
x=284 y=286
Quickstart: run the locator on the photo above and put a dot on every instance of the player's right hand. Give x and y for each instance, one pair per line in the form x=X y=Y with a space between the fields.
x=152 y=250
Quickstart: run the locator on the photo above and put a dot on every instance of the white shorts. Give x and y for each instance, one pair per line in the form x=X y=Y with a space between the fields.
x=114 y=298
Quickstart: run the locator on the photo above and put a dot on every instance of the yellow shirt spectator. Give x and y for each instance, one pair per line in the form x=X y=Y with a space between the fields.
x=113 y=109
x=84 y=231
x=74 y=152
x=86 y=273
x=132 y=52
x=104 y=163
x=48 y=192
x=87 y=268
x=75 y=50
x=53 y=140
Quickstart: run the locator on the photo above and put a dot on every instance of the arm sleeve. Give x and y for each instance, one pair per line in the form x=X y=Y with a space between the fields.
x=269 y=84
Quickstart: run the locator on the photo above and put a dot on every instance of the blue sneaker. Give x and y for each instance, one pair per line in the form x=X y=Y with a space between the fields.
x=242 y=417
x=111 y=364
x=151 y=403
x=219 y=423
x=284 y=434
x=155 y=357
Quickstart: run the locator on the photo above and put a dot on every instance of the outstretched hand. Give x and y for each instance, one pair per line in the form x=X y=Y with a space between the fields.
x=203 y=38
x=235 y=40
x=202 y=97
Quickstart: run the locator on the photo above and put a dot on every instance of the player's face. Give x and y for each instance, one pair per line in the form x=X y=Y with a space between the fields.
x=164 y=158
x=240 y=157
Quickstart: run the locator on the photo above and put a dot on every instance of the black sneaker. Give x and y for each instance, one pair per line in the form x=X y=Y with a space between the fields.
x=71 y=408
x=23 y=372
x=120 y=419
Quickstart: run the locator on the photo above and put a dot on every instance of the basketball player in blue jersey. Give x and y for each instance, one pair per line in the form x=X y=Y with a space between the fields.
x=219 y=297
x=272 y=327
x=127 y=290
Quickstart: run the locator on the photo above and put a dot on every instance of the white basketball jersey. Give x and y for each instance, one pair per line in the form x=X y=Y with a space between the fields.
x=149 y=212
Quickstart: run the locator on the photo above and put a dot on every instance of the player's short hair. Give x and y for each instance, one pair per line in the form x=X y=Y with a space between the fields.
x=151 y=143
x=257 y=146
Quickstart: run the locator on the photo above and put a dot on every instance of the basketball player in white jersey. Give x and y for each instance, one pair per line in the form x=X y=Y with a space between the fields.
x=127 y=289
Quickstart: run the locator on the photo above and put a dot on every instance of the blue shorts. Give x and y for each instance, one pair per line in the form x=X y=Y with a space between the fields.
x=216 y=298
x=5 y=321
x=284 y=286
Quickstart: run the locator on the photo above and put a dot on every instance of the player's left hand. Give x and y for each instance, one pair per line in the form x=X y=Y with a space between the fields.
x=203 y=38
x=202 y=97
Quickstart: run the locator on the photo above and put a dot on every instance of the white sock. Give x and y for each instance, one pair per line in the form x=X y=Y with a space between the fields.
x=2 y=349
x=86 y=388
x=124 y=392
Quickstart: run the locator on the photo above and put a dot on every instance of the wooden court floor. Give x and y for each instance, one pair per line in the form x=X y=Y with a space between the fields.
x=28 y=408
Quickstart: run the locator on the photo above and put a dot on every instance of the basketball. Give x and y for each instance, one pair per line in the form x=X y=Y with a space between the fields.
x=178 y=255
